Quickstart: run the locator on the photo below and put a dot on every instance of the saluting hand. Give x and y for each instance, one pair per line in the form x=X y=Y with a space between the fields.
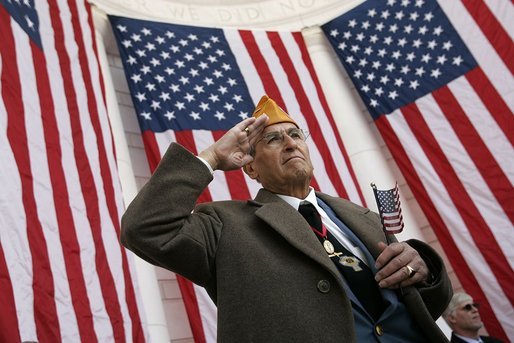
x=231 y=151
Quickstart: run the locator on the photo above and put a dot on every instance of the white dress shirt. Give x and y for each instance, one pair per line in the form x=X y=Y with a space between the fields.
x=469 y=340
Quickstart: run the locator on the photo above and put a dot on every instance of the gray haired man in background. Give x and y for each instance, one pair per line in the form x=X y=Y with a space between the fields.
x=464 y=319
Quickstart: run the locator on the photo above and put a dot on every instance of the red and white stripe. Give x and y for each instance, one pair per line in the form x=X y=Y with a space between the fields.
x=455 y=148
x=276 y=64
x=64 y=275
x=393 y=222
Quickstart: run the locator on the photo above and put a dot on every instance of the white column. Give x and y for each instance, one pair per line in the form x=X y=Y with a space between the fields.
x=359 y=134
x=152 y=316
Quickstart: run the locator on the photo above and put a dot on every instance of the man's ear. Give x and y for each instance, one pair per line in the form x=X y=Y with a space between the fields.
x=251 y=172
x=451 y=320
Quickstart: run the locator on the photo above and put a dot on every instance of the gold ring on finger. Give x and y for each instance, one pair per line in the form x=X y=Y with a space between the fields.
x=410 y=271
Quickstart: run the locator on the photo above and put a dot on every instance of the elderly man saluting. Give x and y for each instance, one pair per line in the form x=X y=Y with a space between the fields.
x=291 y=265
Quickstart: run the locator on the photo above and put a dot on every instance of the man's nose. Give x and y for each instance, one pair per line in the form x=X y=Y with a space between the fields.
x=289 y=143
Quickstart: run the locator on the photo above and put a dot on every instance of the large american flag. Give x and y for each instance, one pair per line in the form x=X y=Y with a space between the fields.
x=437 y=79
x=191 y=84
x=64 y=277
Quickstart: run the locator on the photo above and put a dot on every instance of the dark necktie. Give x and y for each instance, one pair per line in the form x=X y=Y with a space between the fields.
x=357 y=274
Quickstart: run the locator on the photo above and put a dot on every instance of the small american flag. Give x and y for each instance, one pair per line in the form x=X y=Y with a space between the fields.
x=389 y=207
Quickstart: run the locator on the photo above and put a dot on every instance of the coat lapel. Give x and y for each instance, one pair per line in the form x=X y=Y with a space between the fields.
x=290 y=224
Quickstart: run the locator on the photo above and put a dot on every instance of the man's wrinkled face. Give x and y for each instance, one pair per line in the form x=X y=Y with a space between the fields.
x=466 y=316
x=281 y=158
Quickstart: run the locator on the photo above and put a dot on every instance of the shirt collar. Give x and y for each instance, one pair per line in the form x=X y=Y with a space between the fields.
x=295 y=202
x=469 y=340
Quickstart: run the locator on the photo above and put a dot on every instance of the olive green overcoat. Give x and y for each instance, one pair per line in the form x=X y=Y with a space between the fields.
x=259 y=261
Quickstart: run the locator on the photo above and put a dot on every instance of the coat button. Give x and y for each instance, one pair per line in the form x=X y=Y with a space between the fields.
x=379 y=330
x=324 y=286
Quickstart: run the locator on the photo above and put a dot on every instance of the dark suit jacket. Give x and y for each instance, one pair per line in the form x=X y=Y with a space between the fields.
x=486 y=339
x=259 y=260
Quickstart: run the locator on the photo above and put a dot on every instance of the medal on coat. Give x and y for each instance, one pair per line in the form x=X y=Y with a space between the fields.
x=329 y=247
x=351 y=262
